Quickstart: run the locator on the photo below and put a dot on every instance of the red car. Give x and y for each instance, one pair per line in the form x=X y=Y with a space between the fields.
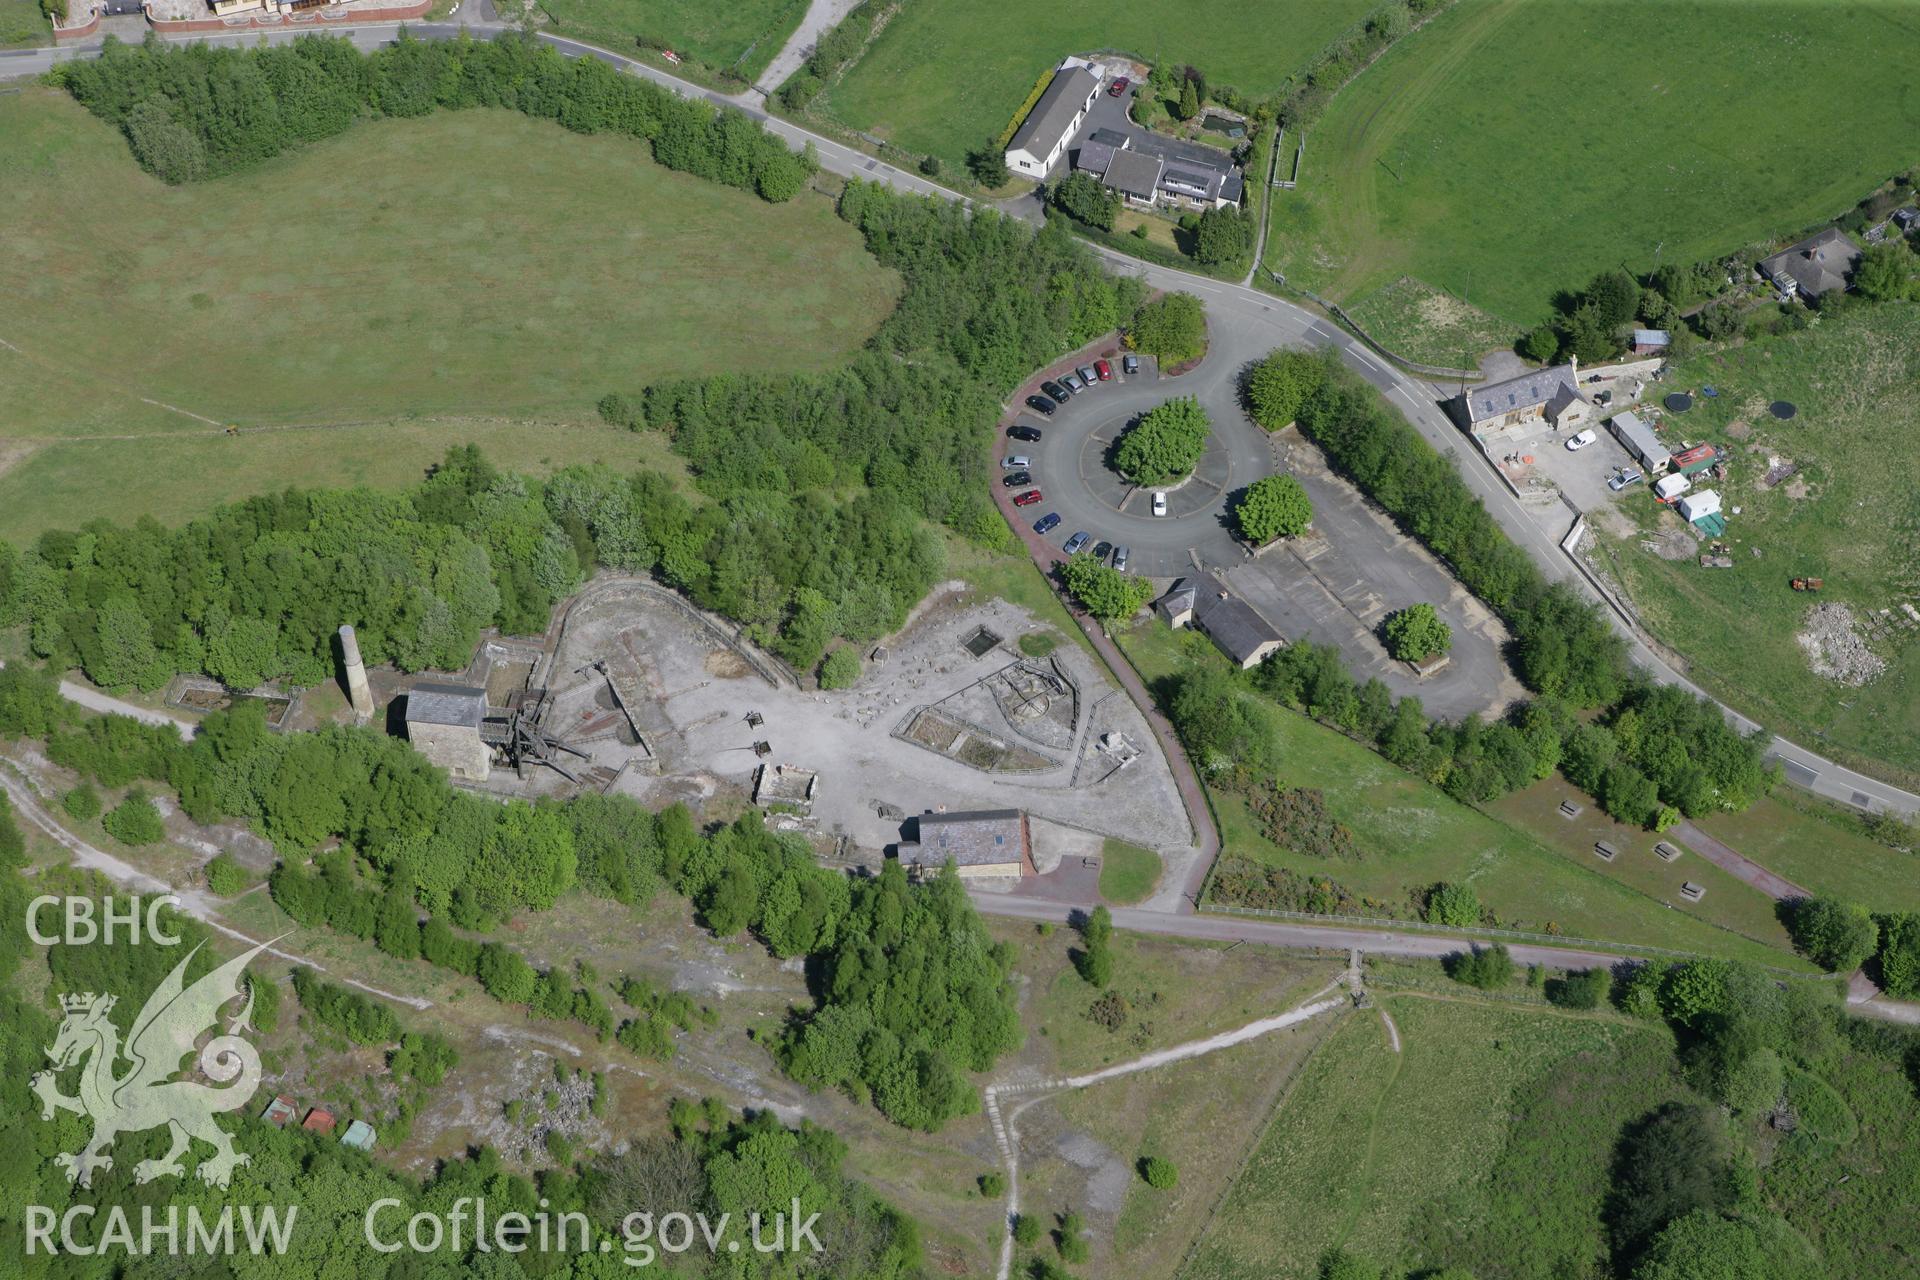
x=1027 y=499
x=1104 y=370
x=1118 y=87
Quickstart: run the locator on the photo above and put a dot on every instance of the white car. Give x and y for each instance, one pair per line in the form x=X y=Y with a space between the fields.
x=1159 y=504
x=1581 y=441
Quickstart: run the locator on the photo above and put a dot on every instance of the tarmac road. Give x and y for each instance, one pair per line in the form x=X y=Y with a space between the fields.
x=1255 y=318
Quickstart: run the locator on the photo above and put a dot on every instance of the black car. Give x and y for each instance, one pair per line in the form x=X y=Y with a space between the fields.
x=1029 y=434
x=1102 y=549
x=1047 y=523
x=1130 y=365
x=1041 y=405
x=1014 y=479
x=1054 y=389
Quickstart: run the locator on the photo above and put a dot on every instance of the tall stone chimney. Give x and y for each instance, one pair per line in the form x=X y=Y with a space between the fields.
x=357 y=687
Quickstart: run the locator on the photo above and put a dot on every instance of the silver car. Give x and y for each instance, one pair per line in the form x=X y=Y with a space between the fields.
x=1071 y=381
x=1120 y=557
x=1087 y=375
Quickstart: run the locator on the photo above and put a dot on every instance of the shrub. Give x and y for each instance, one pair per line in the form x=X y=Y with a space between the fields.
x=1026 y=1230
x=1580 y=989
x=1456 y=905
x=1835 y=935
x=1172 y=327
x=1107 y=593
x=225 y=877
x=992 y=1185
x=1297 y=818
x=1273 y=507
x=1071 y=1239
x=82 y=803
x=840 y=669
x=135 y=821
x=1487 y=968
x=1899 y=958
x=1165 y=444
x=1084 y=198
x=1159 y=1173
x=1416 y=632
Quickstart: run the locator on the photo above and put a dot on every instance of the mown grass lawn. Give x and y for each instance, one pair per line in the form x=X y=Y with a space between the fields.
x=1851 y=517
x=1512 y=148
x=1128 y=873
x=743 y=35
x=1412 y=835
x=946 y=76
x=1496 y=1120
x=23 y=24
x=465 y=263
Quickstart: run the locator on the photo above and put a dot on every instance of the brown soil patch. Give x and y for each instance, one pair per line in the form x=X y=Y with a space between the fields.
x=726 y=664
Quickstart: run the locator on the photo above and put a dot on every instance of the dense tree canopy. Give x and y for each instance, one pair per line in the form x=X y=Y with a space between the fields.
x=1165 y=444
x=1417 y=632
x=1107 y=593
x=1273 y=507
x=1172 y=327
x=195 y=111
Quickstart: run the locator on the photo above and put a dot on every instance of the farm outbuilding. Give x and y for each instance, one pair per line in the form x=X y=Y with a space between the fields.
x=1696 y=508
x=1651 y=342
x=1043 y=135
x=1638 y=439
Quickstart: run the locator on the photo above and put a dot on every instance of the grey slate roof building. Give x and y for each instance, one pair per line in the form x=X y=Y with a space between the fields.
x=1038 y=140
x=987 y=842
x=1094 y=157
x=1550 y=394
x=1233 y=625
x=1109 y=138
x=1817 y=265
x=448 y=704
x=1134 y=174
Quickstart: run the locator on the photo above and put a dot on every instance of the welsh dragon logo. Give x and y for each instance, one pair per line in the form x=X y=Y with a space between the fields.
x=143 y=1097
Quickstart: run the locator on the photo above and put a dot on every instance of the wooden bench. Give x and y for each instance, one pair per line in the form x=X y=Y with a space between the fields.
x=1693 y=892
x=1606 y=851
x=1667 y=852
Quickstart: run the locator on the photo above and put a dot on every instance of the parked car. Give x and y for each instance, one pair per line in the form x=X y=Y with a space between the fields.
x=1026 y=499
x=1622 y=479
x=1087 y=375
x=1130 y=364
x=1118 y=87
x=1582 y=440
x=1159 y=504
x=1016 y=462
x=1071 y=381
x=1054 y=389
x=1047 y=523
x=1015 y=479
x=1076 y=542
x=1120 y=557
x=1041 y=405
x=1102 y=549
x=1103 y=370
x=1024 y=432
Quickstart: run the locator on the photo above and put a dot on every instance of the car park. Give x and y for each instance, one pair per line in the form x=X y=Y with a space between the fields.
x=1120 y=557
x=1023 y=432
x=1016 y=462
x=1102 y=549
x=1130 y=364
x=1054 y=389
x=1026 y=499
x=1159 y=504
x=1621 y=479
x=1582 y=440
x=1041 y=405
x=1047 y=523
x=1103 y=371
x=1118 y=87
x=1076 y=542
x=1015 y=479
x=1087 y=375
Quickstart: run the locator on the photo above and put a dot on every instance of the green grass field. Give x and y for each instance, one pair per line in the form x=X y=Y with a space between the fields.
x=1128 y=873
x=1513 y=148
x=1485 y=1143
x=946 y=76
x=1412 y=834
x=741 y=35
x=472 y=263
x=23 y=24
x=1851 y=517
